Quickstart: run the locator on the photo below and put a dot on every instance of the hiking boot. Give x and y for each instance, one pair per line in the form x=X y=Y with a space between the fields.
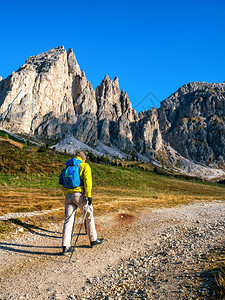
x=66 y=249
x=97 y=242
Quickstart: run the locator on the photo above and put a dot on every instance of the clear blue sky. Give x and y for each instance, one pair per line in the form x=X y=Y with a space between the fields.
x=152 y=46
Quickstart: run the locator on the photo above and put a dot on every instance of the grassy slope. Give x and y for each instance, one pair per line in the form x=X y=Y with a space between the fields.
x=29 y=181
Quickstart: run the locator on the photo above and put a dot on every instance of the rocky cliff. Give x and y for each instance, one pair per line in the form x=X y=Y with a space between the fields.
x=192 y=120
x=45 y=106
x=57 y=101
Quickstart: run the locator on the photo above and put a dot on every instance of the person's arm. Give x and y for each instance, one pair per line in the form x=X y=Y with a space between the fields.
x=87 y=177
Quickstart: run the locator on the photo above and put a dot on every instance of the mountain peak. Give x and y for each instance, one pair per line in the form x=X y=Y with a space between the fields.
x=74 y=68
x=50 y=55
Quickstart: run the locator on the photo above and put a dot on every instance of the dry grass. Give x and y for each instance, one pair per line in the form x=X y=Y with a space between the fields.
x=17 y=144
x=215 y=267
x=118 y=191
x=219 y=288
x=106 y=199
x=25 y=200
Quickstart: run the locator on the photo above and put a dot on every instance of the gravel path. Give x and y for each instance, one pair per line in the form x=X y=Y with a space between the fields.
x=157 y=254
x=174 y=266
x=26 y=214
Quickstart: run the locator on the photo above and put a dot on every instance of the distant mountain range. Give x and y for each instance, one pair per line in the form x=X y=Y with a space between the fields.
x=59 y=105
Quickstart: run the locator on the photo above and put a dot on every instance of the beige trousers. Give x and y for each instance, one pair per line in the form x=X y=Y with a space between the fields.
x=72 y=201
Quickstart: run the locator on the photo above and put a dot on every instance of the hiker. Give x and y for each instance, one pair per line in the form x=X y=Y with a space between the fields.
x=79 y=197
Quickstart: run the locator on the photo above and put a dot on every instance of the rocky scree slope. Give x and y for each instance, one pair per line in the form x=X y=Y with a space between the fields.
x=57 y=101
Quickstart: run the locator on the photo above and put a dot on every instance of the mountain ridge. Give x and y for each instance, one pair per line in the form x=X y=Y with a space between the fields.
x=57 y=102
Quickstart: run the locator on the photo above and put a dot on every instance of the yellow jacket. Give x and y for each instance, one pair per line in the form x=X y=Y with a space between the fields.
x=85 y=176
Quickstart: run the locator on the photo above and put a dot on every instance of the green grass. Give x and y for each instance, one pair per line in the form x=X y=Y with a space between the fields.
x=22 y=161
x=132 y=179
x=26 y=169
x=147 y=182
x=29 y=181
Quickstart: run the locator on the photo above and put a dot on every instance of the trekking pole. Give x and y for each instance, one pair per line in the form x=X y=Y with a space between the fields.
x=77 y=224
x=78 y=234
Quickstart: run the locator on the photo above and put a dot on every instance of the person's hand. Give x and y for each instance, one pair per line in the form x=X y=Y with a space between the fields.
x=89 y=200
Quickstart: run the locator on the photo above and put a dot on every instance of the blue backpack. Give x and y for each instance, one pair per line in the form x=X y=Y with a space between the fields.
x=70 y=177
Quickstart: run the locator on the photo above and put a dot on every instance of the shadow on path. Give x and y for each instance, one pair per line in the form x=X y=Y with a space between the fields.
x=24 y=251
x=31 y=228
x=17 y=249
x=2 y=244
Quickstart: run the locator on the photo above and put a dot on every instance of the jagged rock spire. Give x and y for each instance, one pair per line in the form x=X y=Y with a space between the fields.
x=57 y=100
x=74 y=68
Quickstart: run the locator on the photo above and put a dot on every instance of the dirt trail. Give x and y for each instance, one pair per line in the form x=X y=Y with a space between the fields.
x=166 y=241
